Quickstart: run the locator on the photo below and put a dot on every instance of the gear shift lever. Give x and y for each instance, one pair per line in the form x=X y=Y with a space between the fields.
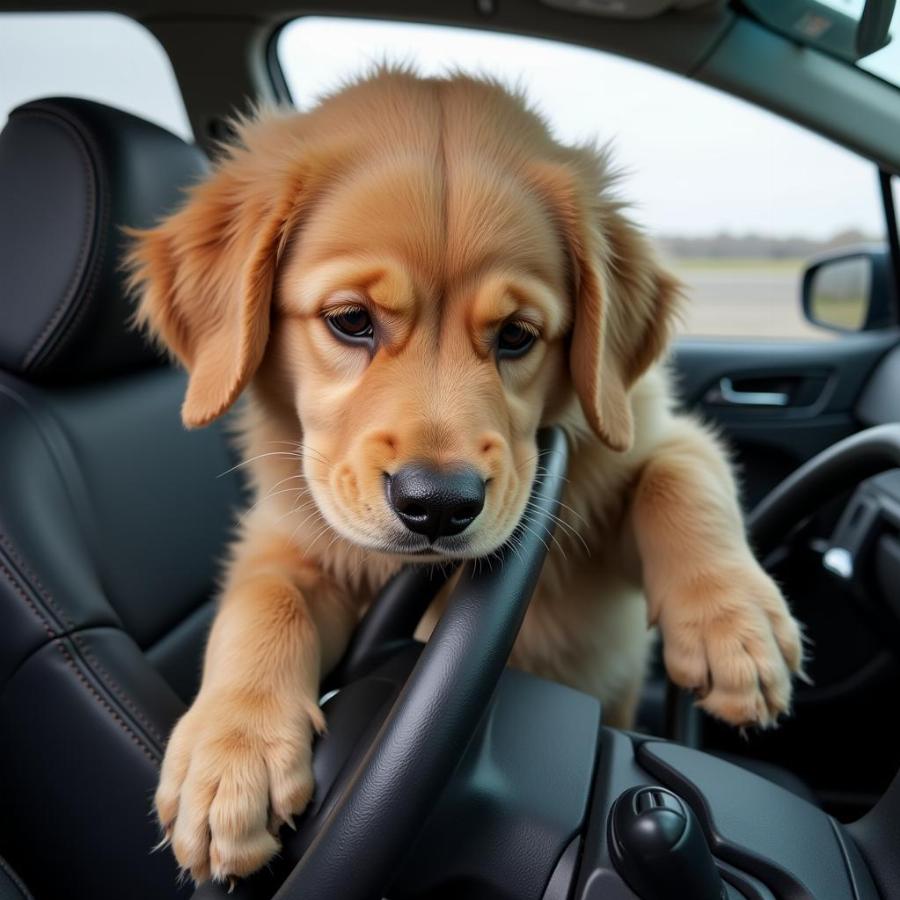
x=658 y=847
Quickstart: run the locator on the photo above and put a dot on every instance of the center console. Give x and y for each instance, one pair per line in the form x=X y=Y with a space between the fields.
x=548 y=804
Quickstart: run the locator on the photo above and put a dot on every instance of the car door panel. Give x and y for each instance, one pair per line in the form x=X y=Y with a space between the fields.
x=820 y=383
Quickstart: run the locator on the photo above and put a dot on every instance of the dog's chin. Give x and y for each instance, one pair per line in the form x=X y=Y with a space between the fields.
x=409 y=547
x=441 y=550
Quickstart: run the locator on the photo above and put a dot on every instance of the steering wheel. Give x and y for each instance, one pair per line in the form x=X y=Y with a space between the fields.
x=826 y=476
x=399 y=779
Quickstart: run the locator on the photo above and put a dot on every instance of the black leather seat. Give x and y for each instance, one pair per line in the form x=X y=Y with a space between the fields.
x=112 y=517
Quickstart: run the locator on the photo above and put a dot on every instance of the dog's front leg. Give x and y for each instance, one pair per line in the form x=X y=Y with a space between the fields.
x=238 y=763
x=727 y=632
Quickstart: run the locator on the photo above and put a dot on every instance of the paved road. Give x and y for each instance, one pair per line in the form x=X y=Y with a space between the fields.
x=746 y=302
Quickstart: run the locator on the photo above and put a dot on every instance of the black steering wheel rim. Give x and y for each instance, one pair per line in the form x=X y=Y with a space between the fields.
x=831 y=473
x=399 y=779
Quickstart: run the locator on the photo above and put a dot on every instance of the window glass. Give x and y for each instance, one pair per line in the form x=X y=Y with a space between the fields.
x=895 y=189
x=736 y=197
x=99 y=56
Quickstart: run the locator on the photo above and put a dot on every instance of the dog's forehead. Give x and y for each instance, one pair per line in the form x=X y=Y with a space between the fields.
x=445 y=222
x=494 y=219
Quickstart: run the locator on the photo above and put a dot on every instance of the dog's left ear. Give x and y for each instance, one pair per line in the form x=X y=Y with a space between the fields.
x=625 y=302
x=206 y=274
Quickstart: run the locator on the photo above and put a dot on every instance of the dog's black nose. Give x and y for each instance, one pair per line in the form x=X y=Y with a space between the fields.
x=435 y=503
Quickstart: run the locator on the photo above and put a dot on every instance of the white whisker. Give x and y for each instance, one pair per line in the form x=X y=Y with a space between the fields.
x=251 y=459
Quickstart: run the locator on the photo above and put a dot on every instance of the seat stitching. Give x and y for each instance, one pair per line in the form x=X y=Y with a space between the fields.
x=102 y=673
x=71 y=291
x=114 y=687
x=14 y=582
x=148 y=751
x=81 y=309
x=108 y=679
x=89 y=292
x=34 y=580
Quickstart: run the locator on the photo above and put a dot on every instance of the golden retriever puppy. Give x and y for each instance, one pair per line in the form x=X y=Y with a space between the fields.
x=407 y=282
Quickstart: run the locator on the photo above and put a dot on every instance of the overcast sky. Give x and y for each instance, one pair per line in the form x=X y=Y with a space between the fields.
x=698 y=160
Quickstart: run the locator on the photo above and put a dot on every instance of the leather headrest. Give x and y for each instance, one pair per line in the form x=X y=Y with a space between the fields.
x=73 y=173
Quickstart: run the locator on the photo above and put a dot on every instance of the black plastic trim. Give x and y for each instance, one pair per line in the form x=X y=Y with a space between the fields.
x=794 y=848
x=875 y=836
x=891 y=226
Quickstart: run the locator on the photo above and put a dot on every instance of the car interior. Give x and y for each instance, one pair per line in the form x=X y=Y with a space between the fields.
x=517 y=790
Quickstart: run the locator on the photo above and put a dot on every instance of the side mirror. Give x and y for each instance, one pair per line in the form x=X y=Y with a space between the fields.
x=850 y=290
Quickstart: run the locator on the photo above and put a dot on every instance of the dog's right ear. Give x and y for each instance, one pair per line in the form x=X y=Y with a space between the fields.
x=206 y=274
x=625 y=302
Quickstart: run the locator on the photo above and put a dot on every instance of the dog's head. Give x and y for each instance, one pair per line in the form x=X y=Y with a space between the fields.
x=421 y=277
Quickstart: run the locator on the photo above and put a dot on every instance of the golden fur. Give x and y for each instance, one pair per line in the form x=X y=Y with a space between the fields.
x=444 y=208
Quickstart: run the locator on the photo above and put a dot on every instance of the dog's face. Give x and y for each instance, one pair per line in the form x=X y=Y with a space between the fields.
x=422 y=355
x=422 y=308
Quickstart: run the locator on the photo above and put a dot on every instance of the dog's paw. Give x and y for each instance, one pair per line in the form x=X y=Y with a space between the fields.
x=231 y=776
x=730 y=637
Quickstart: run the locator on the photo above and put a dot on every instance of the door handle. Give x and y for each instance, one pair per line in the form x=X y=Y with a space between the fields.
x=729 y=395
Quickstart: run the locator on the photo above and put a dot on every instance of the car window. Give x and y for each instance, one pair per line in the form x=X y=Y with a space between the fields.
x=99 y=56
x=736 y=197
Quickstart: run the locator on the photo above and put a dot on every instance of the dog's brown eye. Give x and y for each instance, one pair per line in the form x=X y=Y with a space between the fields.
x=354 y=323
x=515 y=339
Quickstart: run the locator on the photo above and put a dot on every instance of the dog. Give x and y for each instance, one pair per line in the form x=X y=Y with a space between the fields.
x=405 y=283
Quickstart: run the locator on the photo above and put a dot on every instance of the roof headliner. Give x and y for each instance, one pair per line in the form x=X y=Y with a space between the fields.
x=713 y=44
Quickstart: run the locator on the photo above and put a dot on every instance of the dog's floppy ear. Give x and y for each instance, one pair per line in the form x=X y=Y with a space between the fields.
x=205 y=275
x=625 y=303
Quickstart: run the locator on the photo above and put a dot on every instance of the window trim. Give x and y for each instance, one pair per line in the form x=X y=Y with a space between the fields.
x=272 y=64
x=886 y=182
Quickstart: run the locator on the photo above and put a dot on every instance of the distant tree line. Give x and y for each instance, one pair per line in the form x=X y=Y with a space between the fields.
x=725 y=245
